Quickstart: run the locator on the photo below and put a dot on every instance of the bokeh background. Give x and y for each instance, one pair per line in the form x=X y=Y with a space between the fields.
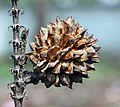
x=101 y=18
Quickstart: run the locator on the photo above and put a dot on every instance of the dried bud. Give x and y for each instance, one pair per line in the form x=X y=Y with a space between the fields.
x=63 y=53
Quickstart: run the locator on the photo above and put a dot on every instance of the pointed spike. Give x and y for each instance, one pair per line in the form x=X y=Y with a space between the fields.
x=65 y=80
x=82 y=67
x=76 y=77
x=84 y=56
x=90 y=67
x=85 y=75
x=95 y=55
x=90 y=50
x=69 y=55
x=33 y=59
x=96 y=47
x=95 y=60
x=58 y=20
x=82 y=31
x=38 y=49
x=93 y=41
x=64 y=27
x=45 y=68
x=89 y=37
x=53 y=64
x=37 y=38
x=32 y=46
x=41 y=63
x=57 y=83
x=64 y=39
x=51 y=77
x=44 y=31
x=70 y=20
x=78 y=53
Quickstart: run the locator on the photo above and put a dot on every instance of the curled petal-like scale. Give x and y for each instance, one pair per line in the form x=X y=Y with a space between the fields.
x=69 y=55
x=65 y=80
x=76 y=77
x=53 y=64
x=65 y=26
x=33 y=46
x=84 y=56
x=92 y=41
x=69 y=69
x=64 y=39
x=57 y=82
x=97 y=48
x=82 y=31
x=41 y=63
x=34 y=58
x=38 y=41
x=52 y=52
x=90 y=67
x=78 y=53
x=70 y=21
x=57 y=68
x=95 y=60
x=90 y=50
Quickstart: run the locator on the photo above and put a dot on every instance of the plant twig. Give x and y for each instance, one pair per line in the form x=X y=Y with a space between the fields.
x=21 y=76
x=19 y=58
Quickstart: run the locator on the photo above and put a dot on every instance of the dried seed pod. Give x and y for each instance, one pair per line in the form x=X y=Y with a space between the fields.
x=63 y=53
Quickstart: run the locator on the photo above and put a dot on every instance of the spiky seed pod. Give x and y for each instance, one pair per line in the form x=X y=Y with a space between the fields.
x=63 y=53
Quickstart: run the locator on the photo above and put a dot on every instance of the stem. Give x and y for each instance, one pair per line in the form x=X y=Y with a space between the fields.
x=21 y=76
x=19 y=58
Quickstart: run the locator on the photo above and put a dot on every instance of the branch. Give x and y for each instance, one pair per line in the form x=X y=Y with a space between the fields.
x=19 y=58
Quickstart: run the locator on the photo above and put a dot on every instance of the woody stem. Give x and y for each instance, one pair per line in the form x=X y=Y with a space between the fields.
x=18 y=86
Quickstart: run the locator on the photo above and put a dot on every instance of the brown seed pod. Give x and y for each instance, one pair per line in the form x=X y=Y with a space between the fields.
x=63 y=53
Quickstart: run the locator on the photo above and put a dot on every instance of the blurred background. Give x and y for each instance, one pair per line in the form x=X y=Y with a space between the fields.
x=101 y=18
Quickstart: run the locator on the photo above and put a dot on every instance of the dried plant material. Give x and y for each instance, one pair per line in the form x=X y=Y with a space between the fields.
x=63 y=53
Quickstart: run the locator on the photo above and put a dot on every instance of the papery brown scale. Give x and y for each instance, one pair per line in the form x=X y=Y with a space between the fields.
x=81 y=42
x=70 y=21
x=84 y=56
x=92 y=42
x=57 y=82
x=69 y=55
x=58 y=21
x=95 y=55
x=64 y=39
x=90 y=67
x=57 y=68
x=82 y=31
x=33 y=46
x=50 y=36
x=95 y=60
x=97 y=48
x=53 y=51
x=55 y=40
x=51 y=28
x=38 y=40
x=65 y=26
x=34 y=58
x=69 y=69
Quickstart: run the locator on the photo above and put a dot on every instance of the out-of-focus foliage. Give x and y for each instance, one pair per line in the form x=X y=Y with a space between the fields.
x=89 y=2
x=6 y=2
x=80 y=1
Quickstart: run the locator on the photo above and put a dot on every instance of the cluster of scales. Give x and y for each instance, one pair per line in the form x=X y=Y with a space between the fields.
x=63 y=53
